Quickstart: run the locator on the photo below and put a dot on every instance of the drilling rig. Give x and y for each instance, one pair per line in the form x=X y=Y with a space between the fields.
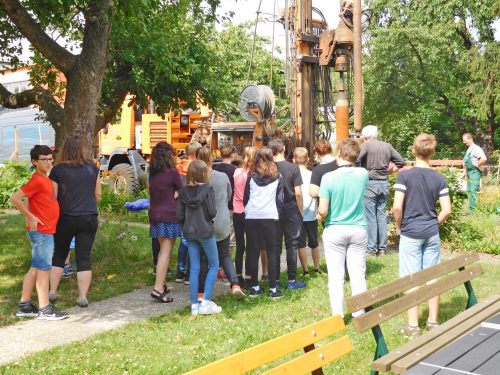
x=313 y=50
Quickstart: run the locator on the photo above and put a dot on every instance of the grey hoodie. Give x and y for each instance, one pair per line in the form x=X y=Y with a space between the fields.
x=196 y=211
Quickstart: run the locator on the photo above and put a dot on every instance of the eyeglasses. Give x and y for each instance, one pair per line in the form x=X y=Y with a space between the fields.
x=46 y=160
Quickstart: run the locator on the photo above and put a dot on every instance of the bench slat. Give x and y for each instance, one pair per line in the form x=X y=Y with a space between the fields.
x=415 y=357
x=382 y=292
x=315 y=358
x=252 y=358
x=384 y=363
x=393 y=308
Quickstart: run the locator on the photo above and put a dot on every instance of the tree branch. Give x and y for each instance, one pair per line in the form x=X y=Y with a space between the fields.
x=460 y=121
x=27 y=25
x=463 y=32
x=419 y=58
x=35 y=96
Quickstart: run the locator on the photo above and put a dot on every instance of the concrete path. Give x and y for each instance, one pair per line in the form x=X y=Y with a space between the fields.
x=31 y=336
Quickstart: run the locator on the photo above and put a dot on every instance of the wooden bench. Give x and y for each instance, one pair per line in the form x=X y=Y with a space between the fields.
x=386 y=301
x=311 y=360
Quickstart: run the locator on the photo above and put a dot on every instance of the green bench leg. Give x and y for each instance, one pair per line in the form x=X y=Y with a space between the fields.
x=381 y=349
x=471 y=300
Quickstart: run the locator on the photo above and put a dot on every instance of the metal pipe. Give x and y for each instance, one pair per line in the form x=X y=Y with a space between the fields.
x=358 y=78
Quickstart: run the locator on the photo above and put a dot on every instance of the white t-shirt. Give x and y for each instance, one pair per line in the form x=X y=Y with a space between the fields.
x=475 y=153
x=309 y=202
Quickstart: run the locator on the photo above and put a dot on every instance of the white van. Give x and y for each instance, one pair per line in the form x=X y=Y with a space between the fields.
x=30 y=130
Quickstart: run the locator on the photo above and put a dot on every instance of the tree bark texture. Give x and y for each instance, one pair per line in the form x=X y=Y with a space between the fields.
x=84 y=72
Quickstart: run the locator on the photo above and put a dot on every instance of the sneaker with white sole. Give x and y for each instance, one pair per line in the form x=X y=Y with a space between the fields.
x=27 y=310
x=195 y=309
x=49 y=312
x=276 y=294
x=253 y=293
x=208 y=307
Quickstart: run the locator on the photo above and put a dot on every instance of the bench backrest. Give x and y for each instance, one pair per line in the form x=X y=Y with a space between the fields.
x=303 y=338
x=374 y=316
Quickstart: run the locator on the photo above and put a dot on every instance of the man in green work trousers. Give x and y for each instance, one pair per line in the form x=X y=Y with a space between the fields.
x=474 y=160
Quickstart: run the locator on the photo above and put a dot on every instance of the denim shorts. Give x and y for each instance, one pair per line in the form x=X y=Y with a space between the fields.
x=417 y=254
x=42 y=250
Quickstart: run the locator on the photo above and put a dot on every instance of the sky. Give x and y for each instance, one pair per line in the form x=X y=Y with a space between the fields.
x=246 y=10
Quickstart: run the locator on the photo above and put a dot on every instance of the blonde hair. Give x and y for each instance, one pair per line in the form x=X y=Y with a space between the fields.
x=249 y=157
x=300 y=155
x=424 y=145
x=205 y=154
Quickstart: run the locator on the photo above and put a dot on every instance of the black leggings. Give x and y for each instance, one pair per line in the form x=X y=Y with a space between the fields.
x=255 y=228
x=239 y=233
x=225 y=262
x=83 y=228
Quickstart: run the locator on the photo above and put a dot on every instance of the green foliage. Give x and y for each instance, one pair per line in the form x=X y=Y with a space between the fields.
x=233 y=46
x=433 y=66
x=121 y=263
x=13 y=175
x=112 y=203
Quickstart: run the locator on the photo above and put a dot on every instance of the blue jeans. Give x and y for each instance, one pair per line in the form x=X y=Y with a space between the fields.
x=209 y=247
x=42 y=250
x=416 y=254
x=376 y=218
x=182 y=256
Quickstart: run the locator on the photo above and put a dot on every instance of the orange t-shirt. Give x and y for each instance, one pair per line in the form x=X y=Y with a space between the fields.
x=42 y=202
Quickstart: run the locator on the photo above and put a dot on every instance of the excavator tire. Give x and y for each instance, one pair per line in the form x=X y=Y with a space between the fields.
x=122 y=180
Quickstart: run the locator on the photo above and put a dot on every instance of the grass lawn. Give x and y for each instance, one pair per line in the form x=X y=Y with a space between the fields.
x=121 y=257
x=177 y=342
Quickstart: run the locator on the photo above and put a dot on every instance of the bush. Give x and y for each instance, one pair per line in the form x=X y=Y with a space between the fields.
x=13 y=175
x=112 y=203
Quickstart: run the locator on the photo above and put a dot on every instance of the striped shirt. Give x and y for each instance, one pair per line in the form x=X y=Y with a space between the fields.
x=422 y=188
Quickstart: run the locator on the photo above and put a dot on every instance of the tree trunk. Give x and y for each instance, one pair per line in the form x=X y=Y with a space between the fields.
x=84 y=79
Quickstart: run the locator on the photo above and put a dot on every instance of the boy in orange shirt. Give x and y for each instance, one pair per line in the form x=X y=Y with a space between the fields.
x=41 y=213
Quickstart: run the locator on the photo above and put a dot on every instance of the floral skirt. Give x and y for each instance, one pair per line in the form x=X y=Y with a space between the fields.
x=168 y=230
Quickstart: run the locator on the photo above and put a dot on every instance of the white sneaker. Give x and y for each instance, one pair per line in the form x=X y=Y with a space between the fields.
x=195 y=309
x=209 y=307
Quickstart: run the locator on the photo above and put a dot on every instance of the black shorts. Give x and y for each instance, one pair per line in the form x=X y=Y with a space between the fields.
x=309 y=232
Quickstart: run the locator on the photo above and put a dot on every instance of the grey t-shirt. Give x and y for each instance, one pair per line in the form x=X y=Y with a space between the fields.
x=422 y=188
x=222 y=188
x=375 y=156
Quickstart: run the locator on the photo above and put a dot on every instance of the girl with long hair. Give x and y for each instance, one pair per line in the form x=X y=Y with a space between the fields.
x=222 y=221
x=196 y=211
x=240 y=180
x=77 y=186
x=263 y=200
x=164 y=187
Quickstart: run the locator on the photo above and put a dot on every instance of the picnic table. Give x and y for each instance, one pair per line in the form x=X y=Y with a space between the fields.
x=476 y=353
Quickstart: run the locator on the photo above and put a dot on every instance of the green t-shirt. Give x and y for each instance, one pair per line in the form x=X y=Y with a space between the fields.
x=345 y=188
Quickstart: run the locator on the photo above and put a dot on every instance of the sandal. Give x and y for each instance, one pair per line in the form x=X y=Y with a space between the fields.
x=161 y=297
x=166 y=289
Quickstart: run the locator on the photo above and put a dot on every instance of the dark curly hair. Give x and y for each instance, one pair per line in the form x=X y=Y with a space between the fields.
x=162 y=158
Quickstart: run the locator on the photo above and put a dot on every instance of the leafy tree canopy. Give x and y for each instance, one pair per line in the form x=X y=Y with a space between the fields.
x=432 y=65
x=154 y=48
